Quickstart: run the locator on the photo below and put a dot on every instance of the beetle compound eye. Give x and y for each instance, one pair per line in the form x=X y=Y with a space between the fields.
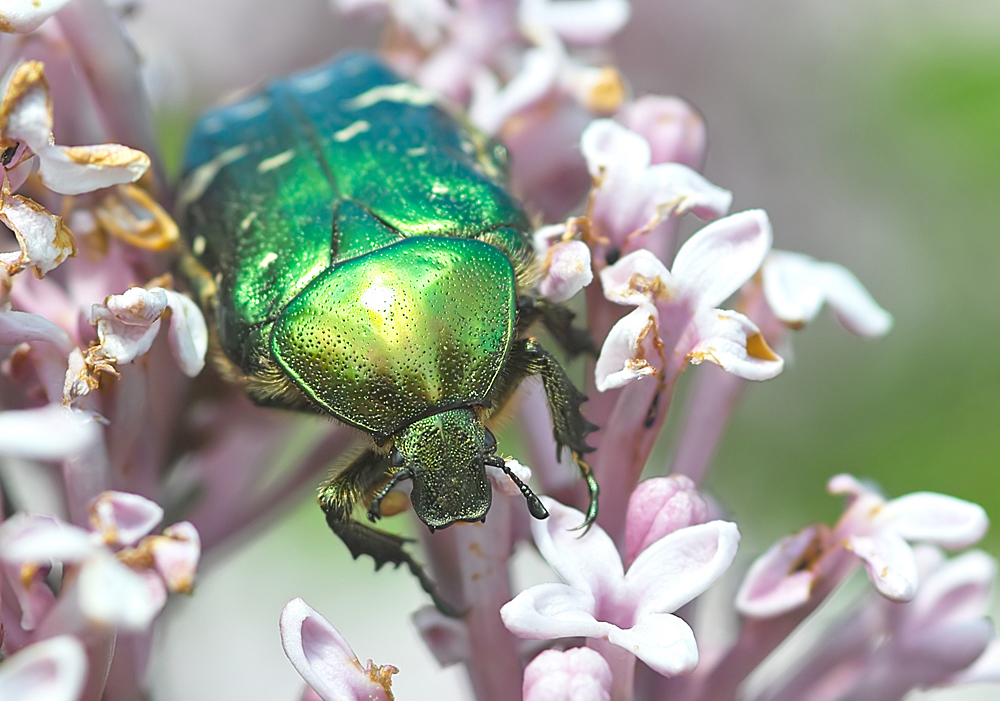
x=396 y=458
x=491 y=442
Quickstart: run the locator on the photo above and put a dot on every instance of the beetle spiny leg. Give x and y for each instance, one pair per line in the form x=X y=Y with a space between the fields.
x=592 y=489
x=375 y=510
x=535 y=506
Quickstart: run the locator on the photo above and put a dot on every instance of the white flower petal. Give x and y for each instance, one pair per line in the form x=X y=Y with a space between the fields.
x=492 y=105
x=796 y=286
x=636 y=278
x=663 y=641
x=959 y=589
x=927 y=517
x=549 y=611
x=680 y=566
x=188 y=333
x=606 y=144
x=51 y=670
x=567 y=270
x=723 y=255
x=127 y=324
x=734 y=343
x=791 y=287
x=675 y=188
x=986 y=669
x=854 y=306
x=52 y=432
x=22 y=327
x=578 y=21
x=111 y=594
x=44 y=240
x=890 y=564
x=588 y=562
x=122 y=518
x=23 y=16
x=73 y=170
x=627 y=350
x=27 y=105
x=31 y=538
x=780 y=580
x=325 y=660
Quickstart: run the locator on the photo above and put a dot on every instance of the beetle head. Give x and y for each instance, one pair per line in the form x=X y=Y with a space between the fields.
x=445 y=454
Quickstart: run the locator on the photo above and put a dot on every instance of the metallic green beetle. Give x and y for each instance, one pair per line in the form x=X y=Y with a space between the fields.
x=358 y=255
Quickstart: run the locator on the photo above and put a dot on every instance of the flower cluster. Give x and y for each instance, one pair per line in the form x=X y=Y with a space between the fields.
x=102 y=432
x=100 y=429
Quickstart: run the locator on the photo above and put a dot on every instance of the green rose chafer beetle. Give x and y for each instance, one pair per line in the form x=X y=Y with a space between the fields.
x=357 y=254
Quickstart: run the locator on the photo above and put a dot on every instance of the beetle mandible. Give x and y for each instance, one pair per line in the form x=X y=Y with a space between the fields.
x=357 y=254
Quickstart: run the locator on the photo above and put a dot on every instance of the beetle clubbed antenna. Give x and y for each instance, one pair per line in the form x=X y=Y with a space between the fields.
x=535 y=506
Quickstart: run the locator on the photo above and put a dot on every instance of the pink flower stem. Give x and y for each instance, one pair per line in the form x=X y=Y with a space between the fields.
x=493 y=663
x=85 y=476
x=622 y=663
x=335 y=442
x=759 y=637
x=708 y=410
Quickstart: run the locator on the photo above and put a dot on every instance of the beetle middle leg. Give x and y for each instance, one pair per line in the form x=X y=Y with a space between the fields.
x=338 y=499
x=570 y=428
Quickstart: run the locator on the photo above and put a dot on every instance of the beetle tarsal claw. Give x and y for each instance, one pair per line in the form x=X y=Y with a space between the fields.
x=375 y=510
x=535 y=506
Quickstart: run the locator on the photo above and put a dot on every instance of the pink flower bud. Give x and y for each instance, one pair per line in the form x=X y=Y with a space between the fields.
x=674 y=129
x=580 y=674
x=658 y=507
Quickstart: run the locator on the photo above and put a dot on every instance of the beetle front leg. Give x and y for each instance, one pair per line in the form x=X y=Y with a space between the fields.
x=342 y=494
x=570 y=428
x=558 y=320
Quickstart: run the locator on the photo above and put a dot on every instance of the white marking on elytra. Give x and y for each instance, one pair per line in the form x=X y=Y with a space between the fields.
x=198 y=245
x=440 y=189
x=398 y=92
x=202 y=176
x=251 y=108
x=312 y=82
x=276 y=161
x=267 y=260
x=349 y=132
x=418 y=151
x=247 y=221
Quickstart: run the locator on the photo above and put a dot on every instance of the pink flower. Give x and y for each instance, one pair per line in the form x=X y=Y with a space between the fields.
x=673 y=129
x=326 y=661
x=578 y=674
x=676 y=320
x=565 y=266
x=121 y=588
x=630 y=609
x=874 y=530
x=632 y=194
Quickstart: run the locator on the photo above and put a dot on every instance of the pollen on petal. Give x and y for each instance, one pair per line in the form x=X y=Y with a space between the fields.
x=757 y=348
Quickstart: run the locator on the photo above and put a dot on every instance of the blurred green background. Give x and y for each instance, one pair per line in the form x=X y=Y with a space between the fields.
x=869 y=131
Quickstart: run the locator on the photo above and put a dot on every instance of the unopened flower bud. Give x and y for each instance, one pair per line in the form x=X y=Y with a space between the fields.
x=658 y=507
x=674 y=129
x=580 y=674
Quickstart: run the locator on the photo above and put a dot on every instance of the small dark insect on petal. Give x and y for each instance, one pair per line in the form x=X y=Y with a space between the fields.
x=612 y=256
x=8 y=155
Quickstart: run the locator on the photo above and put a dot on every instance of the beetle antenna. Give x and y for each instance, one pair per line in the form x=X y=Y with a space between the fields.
x=535 y=506
x=375 y=510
